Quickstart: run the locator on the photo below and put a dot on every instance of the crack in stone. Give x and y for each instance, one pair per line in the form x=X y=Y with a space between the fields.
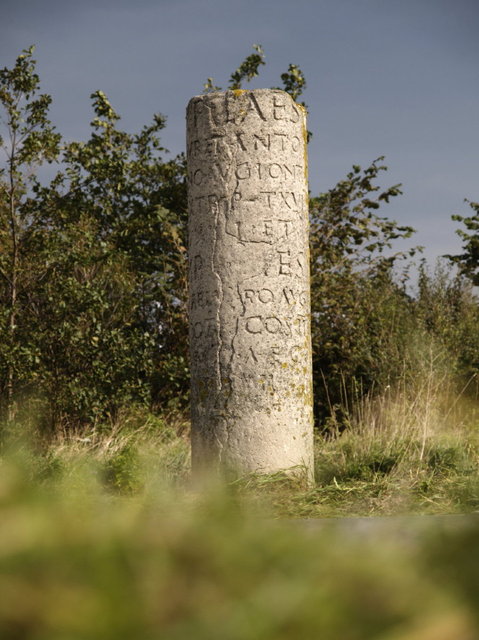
x=229 y=377
x=220 y=297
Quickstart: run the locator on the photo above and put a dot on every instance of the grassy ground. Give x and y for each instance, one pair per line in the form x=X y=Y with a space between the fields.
x=401 y=453
x=87 y=552
x=105 y=536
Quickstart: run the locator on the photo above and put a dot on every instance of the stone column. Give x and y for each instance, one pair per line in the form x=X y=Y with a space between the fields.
x=249 y=309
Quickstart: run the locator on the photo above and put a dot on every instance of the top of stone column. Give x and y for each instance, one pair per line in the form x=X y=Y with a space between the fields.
x=244 y=106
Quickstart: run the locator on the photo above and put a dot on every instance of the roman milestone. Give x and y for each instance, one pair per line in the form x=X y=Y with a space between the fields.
x=249 y=305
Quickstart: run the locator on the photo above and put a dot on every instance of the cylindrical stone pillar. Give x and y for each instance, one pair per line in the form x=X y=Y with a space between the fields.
x=249 y=308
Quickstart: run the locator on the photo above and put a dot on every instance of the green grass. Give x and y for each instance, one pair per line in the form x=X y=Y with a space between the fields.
x=80 y=558
x=105 y=535
x=403 y=452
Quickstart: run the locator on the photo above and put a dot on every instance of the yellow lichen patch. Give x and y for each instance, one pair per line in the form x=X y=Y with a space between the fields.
x=238 y=92
x=305 y=141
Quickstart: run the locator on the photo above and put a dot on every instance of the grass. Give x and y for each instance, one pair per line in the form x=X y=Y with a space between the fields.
x=413 y=449
x=410 y=450
x=81 y=559
x=105 y=536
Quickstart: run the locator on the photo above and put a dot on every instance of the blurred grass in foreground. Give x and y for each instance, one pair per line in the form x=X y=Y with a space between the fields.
x=91 y=548
x=104 y=535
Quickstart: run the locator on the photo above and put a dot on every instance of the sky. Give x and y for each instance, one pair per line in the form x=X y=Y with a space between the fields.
x=398 y=78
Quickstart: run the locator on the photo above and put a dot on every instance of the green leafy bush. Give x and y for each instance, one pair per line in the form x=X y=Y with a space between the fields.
x=93 y=274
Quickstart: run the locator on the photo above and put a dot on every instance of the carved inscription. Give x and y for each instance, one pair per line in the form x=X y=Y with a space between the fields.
x=268 y=231
x=286 y=262
x=248 y=171
x=275 y=201
x=249 y=303
x=229 y=108
x=275 y=355
x=267 y=296
x=196 y=266
x=273 y=325
x=204 y=328
x=203 y=299
x=217 y=145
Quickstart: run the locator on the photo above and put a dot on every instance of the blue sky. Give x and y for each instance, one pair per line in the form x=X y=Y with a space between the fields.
x=398 y=78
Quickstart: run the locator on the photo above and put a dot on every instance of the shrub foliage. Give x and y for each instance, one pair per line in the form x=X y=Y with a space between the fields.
x=93 y=271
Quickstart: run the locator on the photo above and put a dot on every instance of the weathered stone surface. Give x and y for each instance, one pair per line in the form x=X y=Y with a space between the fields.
x=249 y=282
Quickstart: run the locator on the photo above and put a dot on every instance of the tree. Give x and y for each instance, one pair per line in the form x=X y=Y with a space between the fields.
x=29 y=139
x=116 y=216
x=360 y=314
x=468 y=262
x=247 y=70
x=93 y=264
x=293 y=79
